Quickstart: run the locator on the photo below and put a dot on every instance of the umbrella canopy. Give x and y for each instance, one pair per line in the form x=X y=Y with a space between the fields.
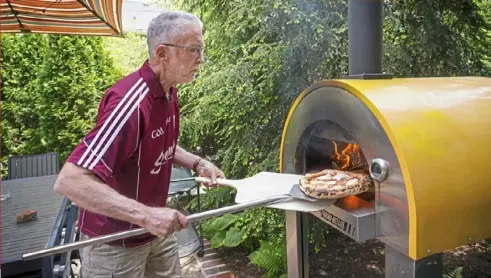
x=77 y=17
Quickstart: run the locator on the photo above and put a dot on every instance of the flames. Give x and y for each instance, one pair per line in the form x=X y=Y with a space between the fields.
x=349 y=159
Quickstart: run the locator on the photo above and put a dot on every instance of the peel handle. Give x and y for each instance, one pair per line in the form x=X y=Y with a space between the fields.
x=120 y=235
x=226 y=182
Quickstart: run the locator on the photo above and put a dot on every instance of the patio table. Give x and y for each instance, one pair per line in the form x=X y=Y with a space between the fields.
x=19 y=238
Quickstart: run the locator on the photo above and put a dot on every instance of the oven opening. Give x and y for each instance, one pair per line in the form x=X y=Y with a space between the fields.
x=326 y=145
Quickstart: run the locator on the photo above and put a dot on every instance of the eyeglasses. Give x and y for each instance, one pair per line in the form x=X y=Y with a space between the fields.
x=196 y=51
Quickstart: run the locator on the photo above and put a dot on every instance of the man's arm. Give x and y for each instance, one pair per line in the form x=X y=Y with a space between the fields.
x=203 y=167
x=186 y=159
x=89 y=192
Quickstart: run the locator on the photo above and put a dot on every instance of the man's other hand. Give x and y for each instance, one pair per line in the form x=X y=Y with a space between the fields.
x=209 y=170
x=164 y=221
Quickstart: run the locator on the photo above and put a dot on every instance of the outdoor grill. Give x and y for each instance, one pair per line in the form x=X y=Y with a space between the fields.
x=424 y=141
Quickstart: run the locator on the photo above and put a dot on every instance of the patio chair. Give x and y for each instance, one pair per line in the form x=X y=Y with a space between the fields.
x=64 y=231
x=34 y=165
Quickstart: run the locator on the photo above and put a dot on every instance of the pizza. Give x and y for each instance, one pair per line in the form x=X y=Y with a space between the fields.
x=334 y=184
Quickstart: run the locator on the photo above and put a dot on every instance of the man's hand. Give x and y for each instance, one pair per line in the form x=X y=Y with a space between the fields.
x=204 y=168
x=209 y=170
x=164 y=221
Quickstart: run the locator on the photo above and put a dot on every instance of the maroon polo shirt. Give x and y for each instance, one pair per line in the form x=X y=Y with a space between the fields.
x=131 y=148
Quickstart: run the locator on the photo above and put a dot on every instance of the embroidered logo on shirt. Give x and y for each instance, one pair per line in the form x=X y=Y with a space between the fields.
x=164 y=157
x=157 y=132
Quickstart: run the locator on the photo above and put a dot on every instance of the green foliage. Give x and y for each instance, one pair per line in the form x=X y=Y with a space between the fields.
x=456 y=273
x=233 y=237
x=217 y=239
x=247 y=228
x=213 y=199
x=318 y=232
x=226 y=102
x=221 y=236
x=73 y=78
x=128 y=53
x=22 y=55
x=437 y=38
x=270 y=256
x=261 y=55
x=51 y=87
x=219 y=224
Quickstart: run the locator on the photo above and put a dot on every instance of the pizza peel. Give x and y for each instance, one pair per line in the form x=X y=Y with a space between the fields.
x=273 y=190
x=269 y=184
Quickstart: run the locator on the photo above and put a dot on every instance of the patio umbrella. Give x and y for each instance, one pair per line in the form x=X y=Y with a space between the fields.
x=75 y=17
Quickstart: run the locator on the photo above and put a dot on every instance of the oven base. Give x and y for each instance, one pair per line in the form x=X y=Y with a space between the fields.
x=401 y=266
x=397 y=264
x=297 y=243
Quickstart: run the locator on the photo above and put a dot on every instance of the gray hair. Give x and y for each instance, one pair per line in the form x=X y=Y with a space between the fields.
x=166 y=26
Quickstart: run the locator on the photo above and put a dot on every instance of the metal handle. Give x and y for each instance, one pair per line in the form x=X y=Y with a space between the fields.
x=120 y=235
x=184 y=179
x=200 y=179
x=379 y=169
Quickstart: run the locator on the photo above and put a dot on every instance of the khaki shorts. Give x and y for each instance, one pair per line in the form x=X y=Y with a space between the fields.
x=159 y=258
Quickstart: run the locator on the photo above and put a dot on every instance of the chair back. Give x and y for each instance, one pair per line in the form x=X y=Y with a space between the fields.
x=35 y=165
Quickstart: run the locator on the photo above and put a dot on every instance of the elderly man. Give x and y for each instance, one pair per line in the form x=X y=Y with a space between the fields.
x=119 y=174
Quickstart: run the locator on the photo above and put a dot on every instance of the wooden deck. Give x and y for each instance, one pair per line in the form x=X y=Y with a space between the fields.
x=20 y=238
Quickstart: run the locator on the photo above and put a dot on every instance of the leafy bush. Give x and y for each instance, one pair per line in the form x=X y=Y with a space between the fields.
x=22 y=56
x=213 y=199
x=271 y=256
x=456 y=273
x=51 y=87
x=262 y=54
x=246 y=228
x=75 y=73
x=220 y=235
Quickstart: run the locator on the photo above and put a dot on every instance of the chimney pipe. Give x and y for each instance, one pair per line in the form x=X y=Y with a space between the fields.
x=365 y=38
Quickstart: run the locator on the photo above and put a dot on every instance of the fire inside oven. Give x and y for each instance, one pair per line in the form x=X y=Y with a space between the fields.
x=326 y=145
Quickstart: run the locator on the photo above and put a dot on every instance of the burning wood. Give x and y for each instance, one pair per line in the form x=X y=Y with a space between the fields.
x=350 y=158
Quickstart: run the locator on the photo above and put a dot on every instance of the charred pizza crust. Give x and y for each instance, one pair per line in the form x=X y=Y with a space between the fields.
x=334 y=184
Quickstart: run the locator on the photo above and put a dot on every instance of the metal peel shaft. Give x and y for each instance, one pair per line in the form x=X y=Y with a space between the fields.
x=120 y=235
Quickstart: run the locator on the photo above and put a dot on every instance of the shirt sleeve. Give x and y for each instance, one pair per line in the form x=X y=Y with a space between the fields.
x=113 y=140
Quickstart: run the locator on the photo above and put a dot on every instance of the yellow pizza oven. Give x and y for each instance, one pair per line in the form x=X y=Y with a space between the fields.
x=426 y=143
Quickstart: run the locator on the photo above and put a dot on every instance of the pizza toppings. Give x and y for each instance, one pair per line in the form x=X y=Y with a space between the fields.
x=334 y=184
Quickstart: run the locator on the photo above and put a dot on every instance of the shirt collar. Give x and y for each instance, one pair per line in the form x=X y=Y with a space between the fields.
x=153 y=81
